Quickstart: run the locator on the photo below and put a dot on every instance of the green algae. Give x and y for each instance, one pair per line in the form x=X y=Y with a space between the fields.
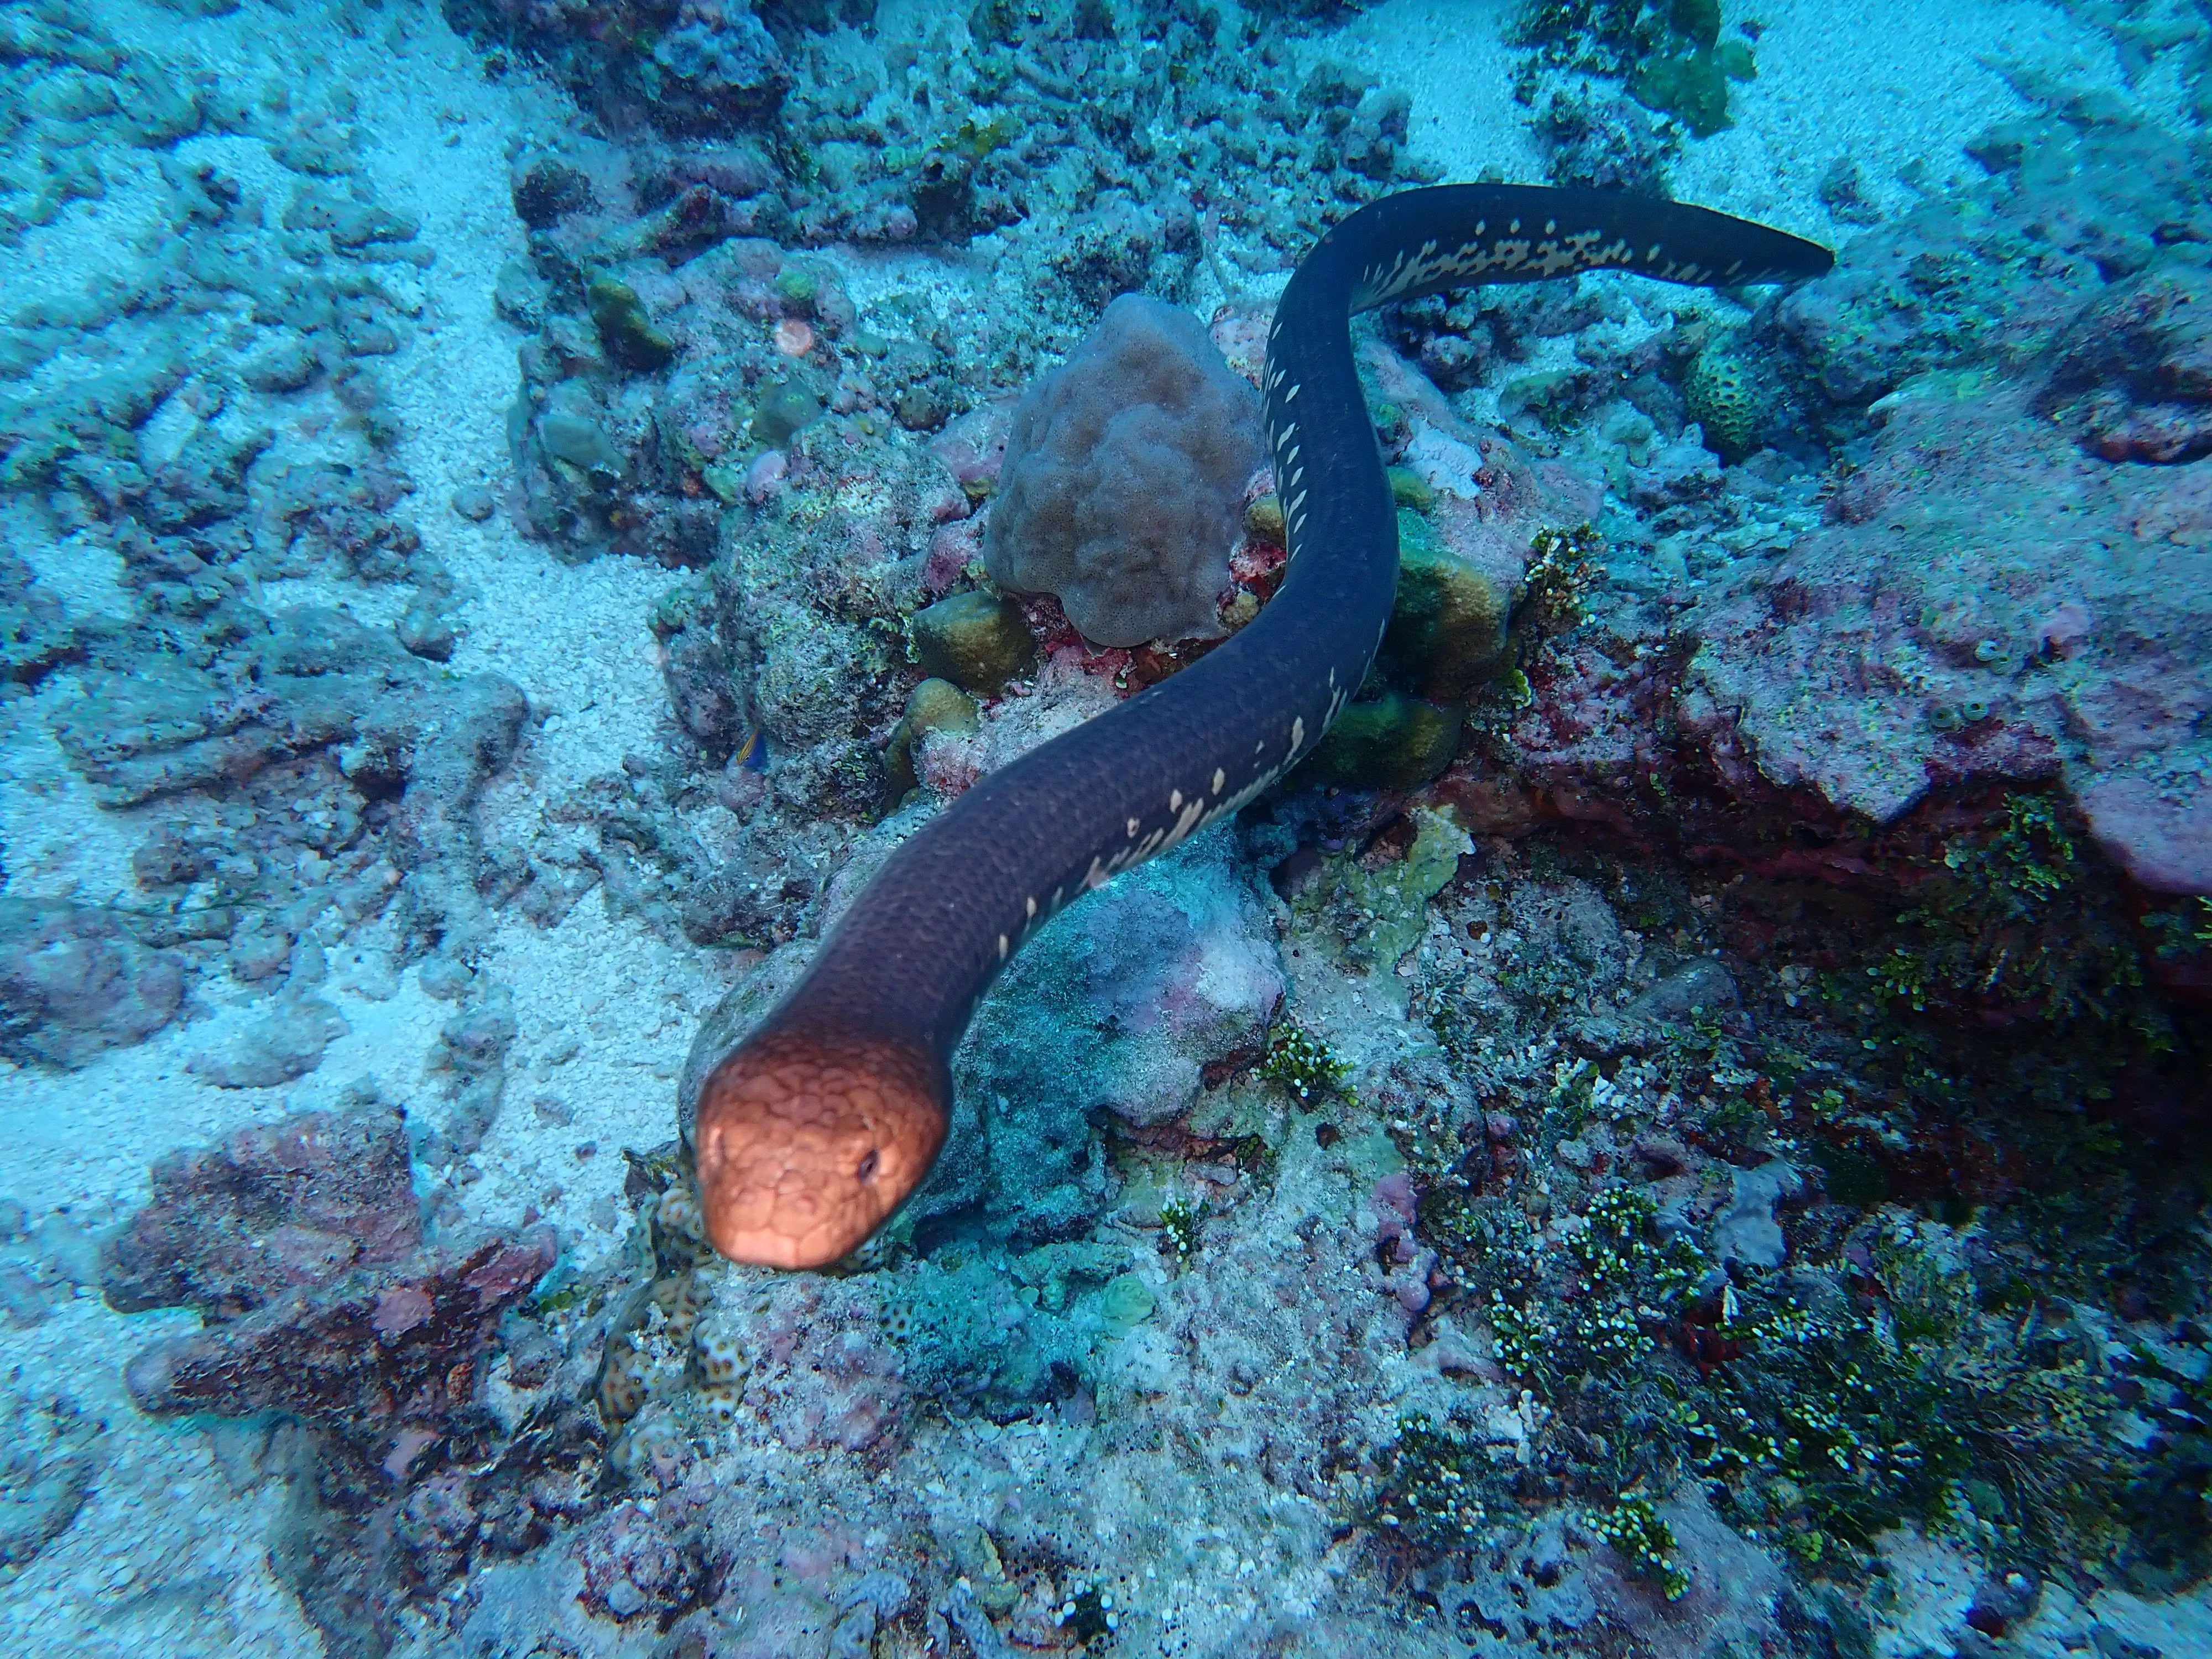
x=1447 y=630
x=626 y=329
x=1302 y=1062
x=1394 y=742
x=1381 y=914
x=975 y=641
x=1694 y=90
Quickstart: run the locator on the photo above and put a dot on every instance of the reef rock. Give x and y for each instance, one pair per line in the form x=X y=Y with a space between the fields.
x=1988 y=602
x=73 y=983
x=273 y=1208
x=388 y=1355
x=1118 y=1007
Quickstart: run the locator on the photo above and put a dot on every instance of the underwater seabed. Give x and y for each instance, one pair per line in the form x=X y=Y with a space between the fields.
x=1682 y=1131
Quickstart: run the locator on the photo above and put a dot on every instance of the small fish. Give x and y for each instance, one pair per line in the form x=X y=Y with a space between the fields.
x=752 y=753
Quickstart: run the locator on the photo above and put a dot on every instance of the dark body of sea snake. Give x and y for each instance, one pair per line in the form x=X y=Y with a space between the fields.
x=815 y=1128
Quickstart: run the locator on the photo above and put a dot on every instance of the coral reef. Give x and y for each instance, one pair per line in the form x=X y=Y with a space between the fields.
x=1123 y=472
x=1679 y=1132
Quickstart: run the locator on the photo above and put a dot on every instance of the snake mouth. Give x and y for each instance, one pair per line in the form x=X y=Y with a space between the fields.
x=808 y=1141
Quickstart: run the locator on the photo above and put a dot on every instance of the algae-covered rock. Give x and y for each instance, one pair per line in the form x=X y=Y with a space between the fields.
x=1381 y=914
x=786 y=408
x=1407 y=488
x=1264 y=519
x=1393 y=742
x=1698 y=21
x=569 y=435
x=1118 y=1007
x=966 y=1336
x=1694 y=90
x=544 y=188
x=939 y=706
x=73 y=982
x=1127 y=1302
x=935 y=705
x=1552 y=397
x=974 y=640
x=626 y=329
x=424 y=630
x=1448 y=627
x=296 y=1202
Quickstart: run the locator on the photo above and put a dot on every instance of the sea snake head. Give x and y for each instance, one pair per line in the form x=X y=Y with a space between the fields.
x=808 y=1141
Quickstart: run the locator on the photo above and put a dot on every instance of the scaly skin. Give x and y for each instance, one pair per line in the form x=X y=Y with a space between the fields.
x=807 y=1142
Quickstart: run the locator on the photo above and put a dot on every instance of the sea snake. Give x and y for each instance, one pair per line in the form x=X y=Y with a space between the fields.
x=817 y=1126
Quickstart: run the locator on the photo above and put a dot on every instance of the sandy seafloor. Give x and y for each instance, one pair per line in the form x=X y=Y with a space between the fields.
x=165 y=1556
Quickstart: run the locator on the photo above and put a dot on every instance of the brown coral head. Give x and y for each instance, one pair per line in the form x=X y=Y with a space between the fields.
x=808 y=1141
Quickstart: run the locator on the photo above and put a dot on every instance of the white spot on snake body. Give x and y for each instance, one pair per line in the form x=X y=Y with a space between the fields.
x=1297 y=733
x=1133 y=827
x=1174 y=800
x=1192 y=816
x=1003 y=947
x=1220 y=779
x=1032 y=909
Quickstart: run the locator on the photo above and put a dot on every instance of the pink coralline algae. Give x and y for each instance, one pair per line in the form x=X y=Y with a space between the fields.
x=1407 y=1263
x=1983 y=605
x=973 y=447
x=1987 y=602
x=824 y=1373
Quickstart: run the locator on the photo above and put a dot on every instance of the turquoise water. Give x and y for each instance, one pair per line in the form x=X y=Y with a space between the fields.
x=1680 y=1129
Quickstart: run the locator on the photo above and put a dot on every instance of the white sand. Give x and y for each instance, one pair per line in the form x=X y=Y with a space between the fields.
x=1903 y=82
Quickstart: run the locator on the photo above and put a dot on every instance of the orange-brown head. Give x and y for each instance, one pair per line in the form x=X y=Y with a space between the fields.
x=806 y=1143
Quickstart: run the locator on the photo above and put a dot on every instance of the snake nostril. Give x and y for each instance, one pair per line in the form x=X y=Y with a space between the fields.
x=867 y=1170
